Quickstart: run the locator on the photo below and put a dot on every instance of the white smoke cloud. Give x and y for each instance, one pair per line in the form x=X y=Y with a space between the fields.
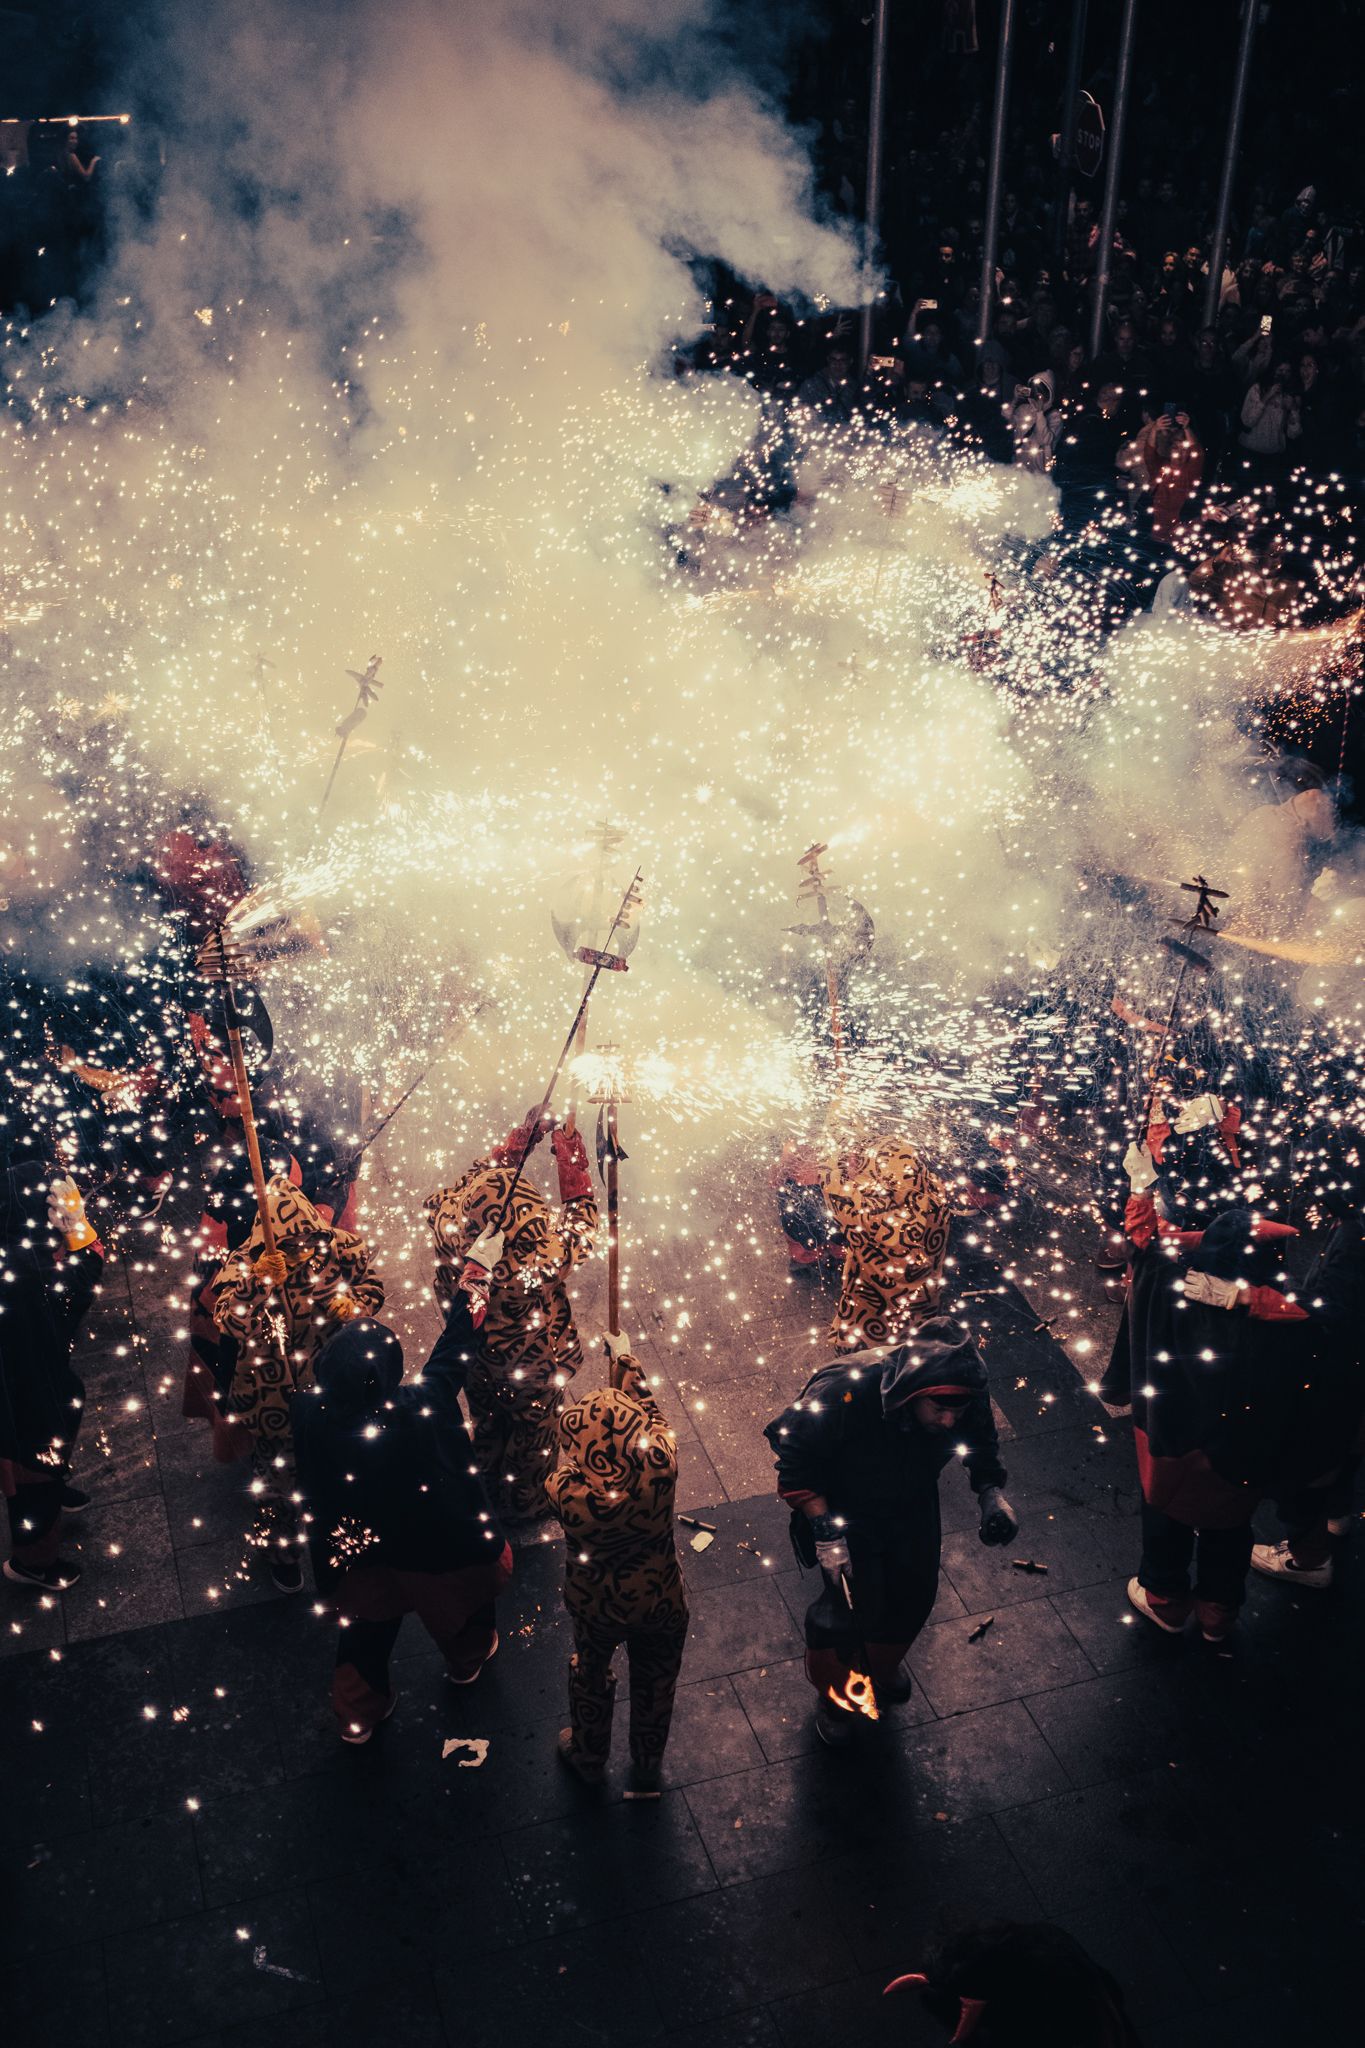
x=388 y=373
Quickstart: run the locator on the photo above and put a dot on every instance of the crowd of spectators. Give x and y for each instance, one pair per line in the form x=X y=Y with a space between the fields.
x=1178 y=424
x=54 y=183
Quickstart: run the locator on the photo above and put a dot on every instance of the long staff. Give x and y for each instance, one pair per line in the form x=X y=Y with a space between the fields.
x=598 y=961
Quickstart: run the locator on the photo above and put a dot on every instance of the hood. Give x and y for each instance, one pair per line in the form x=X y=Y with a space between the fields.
x=877 y=1176
x=459 y=1214
x=940 y=1355
x=1240 y=1246
x=609 y=1437
x=291 y=1215
x=359 y=1369
x=1045 y=377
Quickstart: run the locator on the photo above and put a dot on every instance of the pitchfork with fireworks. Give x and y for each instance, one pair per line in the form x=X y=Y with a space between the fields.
x=608 y=959
x=368 y=687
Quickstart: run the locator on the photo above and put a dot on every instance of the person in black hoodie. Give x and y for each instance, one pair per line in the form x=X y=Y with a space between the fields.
x=398 y=1518
x=1017 y=1984
x=50 y=1261
x=858 y=1460
x=1231 y=1402
x=1333 y=1293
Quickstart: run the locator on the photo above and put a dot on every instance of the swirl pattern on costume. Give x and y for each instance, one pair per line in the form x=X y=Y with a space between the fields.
x=321 y=1261
x=894 y=1216
x=528 y=1345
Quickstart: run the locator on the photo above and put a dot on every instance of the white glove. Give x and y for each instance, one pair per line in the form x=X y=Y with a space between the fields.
x=486 y=1250
x=832 y=1557
x=1137 y=1164
x=616 y=1344
x=66 y=1214
x=1198 y=1114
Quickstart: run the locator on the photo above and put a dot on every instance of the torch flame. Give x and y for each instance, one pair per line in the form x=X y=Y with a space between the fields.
x=856 y=1696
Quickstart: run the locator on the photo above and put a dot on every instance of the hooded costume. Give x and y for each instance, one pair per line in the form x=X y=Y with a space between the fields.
x=1233 y=1395
x=853 y=1439
x=397 y=1520
x=613 y=1490
x=527 y=1348
x=45 y=1290
x=893 y=1216
x=279 y=1330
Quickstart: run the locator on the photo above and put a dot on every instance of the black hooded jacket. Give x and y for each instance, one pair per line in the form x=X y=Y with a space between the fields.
x=851 y=1437
x=386 y=1470
x=1269 y=1404
x=44 y=1293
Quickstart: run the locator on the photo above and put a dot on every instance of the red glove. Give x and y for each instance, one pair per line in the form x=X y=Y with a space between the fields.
x=571 y=1157
x=521 y=1141
x=1227 y=1131
x=1139 y=1220
x=1157 y=1134
x=1268 y=1305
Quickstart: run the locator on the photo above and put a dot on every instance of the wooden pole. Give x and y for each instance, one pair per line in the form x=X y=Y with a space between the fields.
x=253 y=1143
x=613 y=1225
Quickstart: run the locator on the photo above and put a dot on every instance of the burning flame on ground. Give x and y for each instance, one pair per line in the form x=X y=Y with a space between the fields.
x=856 y=1696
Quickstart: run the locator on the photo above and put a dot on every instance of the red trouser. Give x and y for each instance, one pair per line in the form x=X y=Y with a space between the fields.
x=33 y=1496
x=455 y=1608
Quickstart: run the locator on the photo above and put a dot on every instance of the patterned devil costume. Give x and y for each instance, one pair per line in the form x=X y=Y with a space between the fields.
x=528 y=1347
x=613 y=1490
x=325 y=1266
x=893 y=1215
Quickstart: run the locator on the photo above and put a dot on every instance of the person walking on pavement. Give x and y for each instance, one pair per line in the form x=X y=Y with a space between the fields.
x=613 y=1490
x=858 y=1461
x=397 y=1516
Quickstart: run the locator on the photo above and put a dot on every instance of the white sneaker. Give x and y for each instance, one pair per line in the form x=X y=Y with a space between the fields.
x=1275 y=1561
x=1341 y=1525
x=1137 y=1597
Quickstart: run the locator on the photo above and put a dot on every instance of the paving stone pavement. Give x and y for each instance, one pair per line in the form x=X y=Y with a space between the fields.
x=191 y=1857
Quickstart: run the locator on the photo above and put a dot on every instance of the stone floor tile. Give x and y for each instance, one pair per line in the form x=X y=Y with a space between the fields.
x=59 y=1997
x=1126 y=1837
x=571 y=1872
x=983 y=1762
x=185 y=1976
x=711 y=1733
x=108 y=1881
x=735 y=1628
x=927 y=1874
x=552 y=1991
x=745 y=1945
x=129 y=1579
x=1027 y=1648
x=196 y=1749
x=986 y=1576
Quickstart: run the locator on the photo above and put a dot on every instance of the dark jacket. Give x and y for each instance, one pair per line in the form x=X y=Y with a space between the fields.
x=851 y=1437
x=44 y=1293
x=1229 y=1405
x=385 y=1469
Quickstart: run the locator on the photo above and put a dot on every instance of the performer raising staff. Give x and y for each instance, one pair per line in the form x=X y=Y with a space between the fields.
x=280 y=1309
x=398 y=1521
x=528 y=1347
x=613 y=1490
x=893 y=1216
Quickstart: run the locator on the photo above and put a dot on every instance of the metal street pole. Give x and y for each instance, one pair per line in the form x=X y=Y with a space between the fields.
x=1218 y=247
x=1066 y=141
x=872 y=211
x=995 y=175
x=1123 y=76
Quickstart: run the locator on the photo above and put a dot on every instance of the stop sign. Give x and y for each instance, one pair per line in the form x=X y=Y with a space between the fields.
x=1089 y=151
